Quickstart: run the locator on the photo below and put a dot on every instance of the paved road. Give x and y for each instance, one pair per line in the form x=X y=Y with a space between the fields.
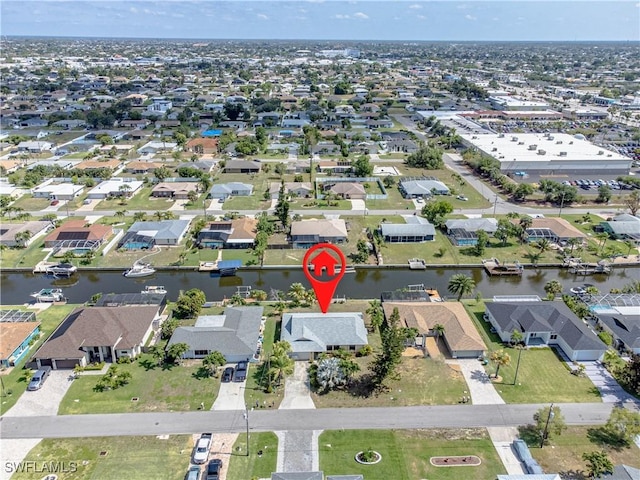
x=452 y=416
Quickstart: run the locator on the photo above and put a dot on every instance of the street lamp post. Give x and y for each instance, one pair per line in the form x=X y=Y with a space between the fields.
x=495 y=204
x=246 y=419
x=546 y=426
x=561 y=203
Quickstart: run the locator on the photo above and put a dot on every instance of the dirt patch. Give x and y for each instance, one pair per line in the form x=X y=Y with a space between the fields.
x=413 y=352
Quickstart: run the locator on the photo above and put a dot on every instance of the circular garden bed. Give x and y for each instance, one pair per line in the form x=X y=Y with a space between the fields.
x=368 y=457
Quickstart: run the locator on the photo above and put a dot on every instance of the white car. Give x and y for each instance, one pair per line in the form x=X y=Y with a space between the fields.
x=201 y=452
x=462 y=197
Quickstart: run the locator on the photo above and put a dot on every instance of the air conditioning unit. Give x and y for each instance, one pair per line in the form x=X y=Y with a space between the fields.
x=563 y=154
x=541 y=152
x=533 y=147
x=494 y=149
x=559 y=142
x=600 y=152
x=520 y=143
x=514 y=139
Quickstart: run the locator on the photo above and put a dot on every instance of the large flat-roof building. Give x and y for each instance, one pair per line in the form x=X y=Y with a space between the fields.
x=549 y=153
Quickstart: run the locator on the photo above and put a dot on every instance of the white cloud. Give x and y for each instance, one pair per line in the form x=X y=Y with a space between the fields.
x=415 y=6
x=360 y=15
x=341 y=16
x=262 y=16
x=470 y=17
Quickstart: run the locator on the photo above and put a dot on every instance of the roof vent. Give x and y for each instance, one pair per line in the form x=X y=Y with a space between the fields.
x=541 y=152
x=571 y=142
x=520 y=143
x=514 y=139
x=563 y=154
x=600 y=152
x=559 y=142
x=533 y=147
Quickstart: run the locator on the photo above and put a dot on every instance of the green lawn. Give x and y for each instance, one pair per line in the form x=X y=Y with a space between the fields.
x=564 y=454
x=242 y=467
x=252 y=202
x=30 y=204
x=15 y=382
x=135 y=458
x=158 y=389
x=23 y=257
x=125 y=258
x=302 y=203
x=394 y=200
x=542 y=377
x=141 y=200
x=406 y=453
x=441 y=250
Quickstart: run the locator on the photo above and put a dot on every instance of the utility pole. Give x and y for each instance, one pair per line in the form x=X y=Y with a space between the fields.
x=495 y=204
x=520 y=348
x=546 y=426
x=561 y=203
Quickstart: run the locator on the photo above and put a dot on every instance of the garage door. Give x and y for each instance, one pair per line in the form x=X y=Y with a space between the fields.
x=66 y=363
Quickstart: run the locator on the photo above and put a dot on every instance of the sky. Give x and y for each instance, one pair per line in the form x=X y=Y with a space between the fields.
x=413 y=20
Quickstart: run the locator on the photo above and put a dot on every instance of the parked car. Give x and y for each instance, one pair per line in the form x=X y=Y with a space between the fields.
x=213 y=469
x=193 y=473
x=462 y=197
x=55 y=202
x=201 y=452
x=240 y=374
x=39 y=378
x=227 y=375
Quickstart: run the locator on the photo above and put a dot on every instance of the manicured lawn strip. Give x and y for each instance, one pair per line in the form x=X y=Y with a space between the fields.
x=564 y=454
x=400 y=253
x=284 y=257
x=394 y=200
x=125 y=258
x=242 y=467
x=30 y=204
x=17 y=380
x=23 y=257
x=406 y=453
x=175 y=388
x=141 y=200
x=252 y=202
x=542 y=376
x=128 y=457
x=302 y=203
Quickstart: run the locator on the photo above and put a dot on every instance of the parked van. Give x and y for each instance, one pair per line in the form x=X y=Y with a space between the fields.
x=38 y=378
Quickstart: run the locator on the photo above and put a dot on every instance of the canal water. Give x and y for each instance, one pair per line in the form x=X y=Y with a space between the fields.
x=364 y=283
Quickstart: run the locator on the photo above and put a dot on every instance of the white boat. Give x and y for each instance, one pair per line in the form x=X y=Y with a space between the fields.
x=49 y=295
x=139 y=270
x=61 y=270
x=150 y=289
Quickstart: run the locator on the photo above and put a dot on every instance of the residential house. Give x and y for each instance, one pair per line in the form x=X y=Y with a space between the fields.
x=417 y=229
x=8 y=232
x=400 y=146
x=153 y=147
x=310 y=334
x=17 y=331
x=145 y=235
x=142 y=167
x=57 y=191
x=306 y=233
x=333 y=166
x=422 y=187
x=463 y=232
x=97 y=334
x=241 y=166
x=35 y=147
x=203 y=165
x=460 y=334
x=175 y=190
x=621 y=472
x=553 y=229
x=618 y=314
x=346 y=190
x=223 y=191
x=294 y=189
x=77 y=233
x=115 y=187
x=112 y=164
x=546 y=324
x=202 y=146
x=235 y=334
x=236 y=233
x=623 y=227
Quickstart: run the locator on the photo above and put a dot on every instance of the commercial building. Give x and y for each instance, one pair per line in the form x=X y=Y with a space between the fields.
x=549 y=154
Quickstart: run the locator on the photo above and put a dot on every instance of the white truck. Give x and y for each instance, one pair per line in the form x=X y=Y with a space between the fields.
x=201 y=452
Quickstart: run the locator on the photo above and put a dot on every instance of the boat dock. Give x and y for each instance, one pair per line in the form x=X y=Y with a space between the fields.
x=590 y=268
x=494 y=267
x=417 y=264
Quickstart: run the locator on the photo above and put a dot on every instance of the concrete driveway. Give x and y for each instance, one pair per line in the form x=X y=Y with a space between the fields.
x=230 y=396
x=32 y=404
x=610 y=390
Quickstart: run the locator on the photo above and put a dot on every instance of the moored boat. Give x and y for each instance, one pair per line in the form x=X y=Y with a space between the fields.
x=49 y=295
x=139 y=270
x=151 y=289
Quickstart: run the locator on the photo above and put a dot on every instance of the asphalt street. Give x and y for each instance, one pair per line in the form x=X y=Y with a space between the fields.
x=451 y=416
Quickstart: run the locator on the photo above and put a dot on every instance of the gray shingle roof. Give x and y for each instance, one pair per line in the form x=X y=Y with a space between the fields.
x=398 y=229
x=625 y=327
x=236 y=334
x=489 y=225
x=297 y=476
x=545 y=317
x=312 y=332
x=164 y=229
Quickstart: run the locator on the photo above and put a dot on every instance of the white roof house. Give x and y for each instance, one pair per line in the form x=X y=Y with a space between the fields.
x=112 y=188
x=59 y=191
x=548 y=153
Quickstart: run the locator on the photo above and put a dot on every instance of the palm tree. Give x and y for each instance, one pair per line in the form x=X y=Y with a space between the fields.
x=602 y=237
x=526 y=221
x=22 y=238
x=438 y=329
x=297 y=292
x=630 y=246
x=573 y=242
x=120 y=213
x=516 y=337
x=280 y=362
x=139 y=216
x=500 y=358
x=192 y=196
x=376 y=316
x=461 y=284
x=552 y=287
x=543 y=245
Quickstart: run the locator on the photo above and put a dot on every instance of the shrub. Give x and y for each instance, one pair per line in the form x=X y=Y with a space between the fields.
x=365 y=351
x=606 y=338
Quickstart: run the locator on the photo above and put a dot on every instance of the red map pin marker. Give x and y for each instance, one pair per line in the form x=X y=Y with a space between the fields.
x=327 y=271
